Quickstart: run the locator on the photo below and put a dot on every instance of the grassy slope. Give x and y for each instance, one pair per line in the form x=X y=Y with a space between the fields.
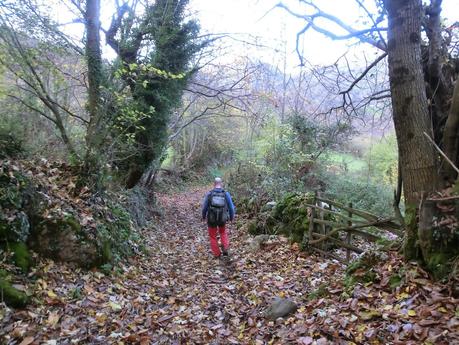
x=354 y=164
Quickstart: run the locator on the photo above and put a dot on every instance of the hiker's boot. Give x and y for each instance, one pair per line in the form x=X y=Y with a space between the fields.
x=225 y=252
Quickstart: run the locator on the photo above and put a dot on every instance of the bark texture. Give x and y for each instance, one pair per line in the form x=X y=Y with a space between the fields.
x=93 y=56
x=409 y=100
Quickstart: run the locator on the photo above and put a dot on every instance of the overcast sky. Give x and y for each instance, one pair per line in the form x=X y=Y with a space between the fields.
x=274 y=26
x=246 y=20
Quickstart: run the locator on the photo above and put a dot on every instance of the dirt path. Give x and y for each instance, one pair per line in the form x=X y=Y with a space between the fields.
x=217 y=301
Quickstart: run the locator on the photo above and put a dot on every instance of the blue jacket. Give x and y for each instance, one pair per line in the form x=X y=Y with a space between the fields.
x=229 y=202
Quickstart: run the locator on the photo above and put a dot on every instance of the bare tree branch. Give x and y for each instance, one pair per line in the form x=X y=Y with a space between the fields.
x=31 y=107
x=364 y=73
x=351 y=32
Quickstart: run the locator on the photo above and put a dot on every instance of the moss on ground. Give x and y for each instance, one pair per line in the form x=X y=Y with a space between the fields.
x=439 y=264
x=11 y=296
x=320 y=292
x=395 y=281
x=21 y=256
x=361 y=271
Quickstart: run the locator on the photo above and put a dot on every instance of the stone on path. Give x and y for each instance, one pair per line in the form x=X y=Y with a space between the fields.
x=280 y=307
x=258 y=241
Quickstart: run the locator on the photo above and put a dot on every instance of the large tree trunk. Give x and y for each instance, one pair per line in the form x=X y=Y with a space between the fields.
x=409 y=101
x=410 y=109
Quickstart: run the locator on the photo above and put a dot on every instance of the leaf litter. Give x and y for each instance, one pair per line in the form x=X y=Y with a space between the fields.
x=178 y=294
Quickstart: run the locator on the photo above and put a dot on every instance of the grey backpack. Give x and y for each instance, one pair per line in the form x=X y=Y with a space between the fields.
x=218 y=213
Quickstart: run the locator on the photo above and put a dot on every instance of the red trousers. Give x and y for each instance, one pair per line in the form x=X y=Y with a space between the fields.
x=213 y=239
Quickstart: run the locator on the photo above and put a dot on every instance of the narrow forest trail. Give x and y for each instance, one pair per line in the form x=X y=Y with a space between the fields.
x=179 y=294
x=214 y=301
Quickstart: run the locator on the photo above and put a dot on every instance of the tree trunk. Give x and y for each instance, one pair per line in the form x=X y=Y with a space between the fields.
x=437 y=85
x=451 y=134
x=409 y=101
x=65 y=138
x=410 y=110
x=92 y=162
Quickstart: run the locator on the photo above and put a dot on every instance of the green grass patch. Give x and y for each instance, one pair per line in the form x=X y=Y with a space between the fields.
x=346 y=161
x=320 y=292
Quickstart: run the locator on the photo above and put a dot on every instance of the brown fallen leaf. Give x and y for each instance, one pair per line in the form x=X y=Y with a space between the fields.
x=428 y=322
x=53 y=319
x=27 y=341
x=305 y=340
x=165 y=318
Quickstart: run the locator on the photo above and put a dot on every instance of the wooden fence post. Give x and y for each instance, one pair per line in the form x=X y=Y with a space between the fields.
x=311 y=220
x=323 y=229
x=349 y=234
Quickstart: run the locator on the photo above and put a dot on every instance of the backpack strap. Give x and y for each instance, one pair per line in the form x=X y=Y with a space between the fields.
x=211 y=192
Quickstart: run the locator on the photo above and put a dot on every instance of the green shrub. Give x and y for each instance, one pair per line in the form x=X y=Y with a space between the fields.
x=11 y=146
x=382 y=160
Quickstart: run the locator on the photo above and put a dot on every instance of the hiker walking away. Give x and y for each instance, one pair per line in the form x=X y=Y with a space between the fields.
x=218 y=208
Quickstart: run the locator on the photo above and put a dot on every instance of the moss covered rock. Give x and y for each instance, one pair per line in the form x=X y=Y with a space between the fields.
x=14 y=197
x=287 y=217
x=115 y=235
x=64 y=240
x=280 y=307
x=11 y=296
x=438 y=236
x=38 y=213
x=440 y=264
x=16 y=228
